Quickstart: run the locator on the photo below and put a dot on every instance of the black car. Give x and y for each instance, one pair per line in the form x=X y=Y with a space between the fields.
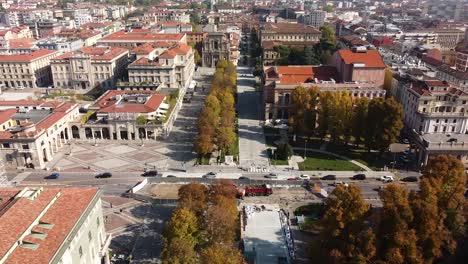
x=150 y=173
x=410 y=179
x=243 y=178
x=329 y=177
x=359 y=177
x=104 y=175
x=171 y=176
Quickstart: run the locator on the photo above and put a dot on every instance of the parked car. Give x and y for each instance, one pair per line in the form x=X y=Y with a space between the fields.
x=243 y=178
x=271 y=176
x=150 y=173
x=52 y=176
x=104 y=175
x=386 y=178
x=305 y=176
x=293 y=179
x=410 y=179
x=329 y=177
x=171 y=176
x=359 y=176
x=210 y=175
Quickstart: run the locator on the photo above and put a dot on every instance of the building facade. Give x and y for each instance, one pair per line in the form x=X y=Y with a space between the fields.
x=132 y=39
x=289 y=32
x=173 y=68
x=216 y=47
x=52 y=225
x=314 y=18
x=27 y=70
x=88 y=67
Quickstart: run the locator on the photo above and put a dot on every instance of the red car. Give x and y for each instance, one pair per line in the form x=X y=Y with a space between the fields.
x=292 y=179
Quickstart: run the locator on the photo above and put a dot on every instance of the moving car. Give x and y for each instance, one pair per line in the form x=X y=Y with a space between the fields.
x=410 y=179
x=171 y=176
x=329 y=177
x=243 y=178
x=104 y=175
x=293 y=179
x=271 y=176
x=386 y=178
x=150 y=173
x=210 y=175
x=359 y=177
x=305 y=176
x=52 y=176
x=340 y=183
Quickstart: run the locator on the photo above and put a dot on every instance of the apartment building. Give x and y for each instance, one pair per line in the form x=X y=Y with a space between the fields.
x=445 y=10
x=35 y=131
x=88 y=36
x=60 y=44
x=314 y=18
x=289 y=32
x=167 y=15
x=173 y=68
x=31 y=70
x=436 y=114
x=134 y=38
x=88 y=67
x=52 y=225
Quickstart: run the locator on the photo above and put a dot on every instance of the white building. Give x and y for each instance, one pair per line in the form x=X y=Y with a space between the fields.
x=52 y=225
x=314 y=18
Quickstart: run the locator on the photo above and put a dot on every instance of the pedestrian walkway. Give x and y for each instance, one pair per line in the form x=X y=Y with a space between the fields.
x=20 y=177
x=252 y=147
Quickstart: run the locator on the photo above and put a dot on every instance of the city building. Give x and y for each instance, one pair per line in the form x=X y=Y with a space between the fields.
x=216 y=46
x=88 y=36
x=32 y=131
x=115 y=117
x=436 y=116
x=60 y=44
x=196 y=37
x=116 y=12
x=52 y=225
x=167 y=15
x=446 y=10
x=289 y=32
x=269 y=55
x=131 y=39
x=360 y=65
x=173 y=68
x=173 y=27
x=314 y=18
x=30 y=70
x=88 y=67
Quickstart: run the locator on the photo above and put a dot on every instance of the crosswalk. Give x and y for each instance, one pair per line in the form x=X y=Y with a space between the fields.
x=258 y=169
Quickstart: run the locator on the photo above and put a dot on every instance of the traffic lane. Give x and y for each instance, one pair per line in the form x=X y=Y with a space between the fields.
x=76 y=177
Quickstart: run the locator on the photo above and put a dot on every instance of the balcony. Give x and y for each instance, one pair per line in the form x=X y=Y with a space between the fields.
x=24 y=150
x=442 y=114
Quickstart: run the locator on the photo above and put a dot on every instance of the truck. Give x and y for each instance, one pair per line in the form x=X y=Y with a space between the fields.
x=259 y=190
x=316 y=189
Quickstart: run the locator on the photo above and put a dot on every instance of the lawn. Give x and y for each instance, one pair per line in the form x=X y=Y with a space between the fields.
x=279 y=162
x=373 y=159
x=320 y=161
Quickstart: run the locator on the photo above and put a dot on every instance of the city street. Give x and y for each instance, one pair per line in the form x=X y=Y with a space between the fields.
x=252 y=148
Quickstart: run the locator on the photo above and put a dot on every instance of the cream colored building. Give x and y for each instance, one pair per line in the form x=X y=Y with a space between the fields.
x=87 y=67
x=171 y=69
x=289 y=32
x=36 y=130
x=27 y=70
x=53 y=225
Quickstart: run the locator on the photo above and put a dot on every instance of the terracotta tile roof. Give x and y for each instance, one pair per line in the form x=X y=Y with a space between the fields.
x=180 y=49
x=15 y=103
x=27 y=57
x=432 y=61
x=63 y=214
x=5 y=135
x=57 y=114
x=370 y=58
x=93 y=25
x=145 y=36
x=109 y=105
x=453 y=72
x=5 y=115
x=96 y=53
x=78 y=33
x=290 y=28
x=302 y=74
x=145 y=61
x=420 y=90
x=437 y=83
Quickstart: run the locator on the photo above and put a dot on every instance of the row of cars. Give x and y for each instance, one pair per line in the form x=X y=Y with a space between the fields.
x=56 y=175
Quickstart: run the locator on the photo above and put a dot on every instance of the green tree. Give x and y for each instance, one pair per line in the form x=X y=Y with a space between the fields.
x=141 y=120
x=284 y=151
x=300 y=104
x=345 y=236
x=197 y=58
x=183 y=225
x=359 y=119
x=397 y=240
x=390 y=125
x=388 y=81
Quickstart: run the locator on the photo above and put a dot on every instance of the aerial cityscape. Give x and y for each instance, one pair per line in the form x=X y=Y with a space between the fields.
x=232 y=132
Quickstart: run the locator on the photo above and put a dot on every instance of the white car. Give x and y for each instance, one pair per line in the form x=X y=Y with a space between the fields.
x=304 y=177
x=340 y=183
x=387 y=178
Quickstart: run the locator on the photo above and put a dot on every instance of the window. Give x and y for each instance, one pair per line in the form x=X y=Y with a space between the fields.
x=25 y=146
x=437 y=120
x=80 y=251
x=446 y=120
x=444 y=129
x=436 y=128
x=425 y=102
x=98 y=221
x=453 y=129
x=454 y=121
x=89 y=236
x=424 y=110
x=6 y=145
x=464 y=102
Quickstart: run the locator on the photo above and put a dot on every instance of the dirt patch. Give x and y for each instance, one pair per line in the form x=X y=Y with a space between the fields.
x=284 y=197
x=164 y=191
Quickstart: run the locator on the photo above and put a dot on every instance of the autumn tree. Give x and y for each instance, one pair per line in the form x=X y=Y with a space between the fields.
x=193 y=196
x=300 y=100
x=222 y=187
x=226 y=137
x=359 y=119
x=397 y=240
x=445 y=176
x=388 y=81
x=345 y=236
x=391 y=124
x=219 y=226
x=179 y=251
x=221 y=254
